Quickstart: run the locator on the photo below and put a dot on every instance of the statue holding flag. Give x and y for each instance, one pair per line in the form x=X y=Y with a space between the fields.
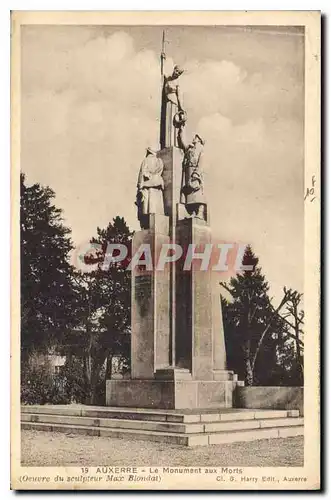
x=173 y=115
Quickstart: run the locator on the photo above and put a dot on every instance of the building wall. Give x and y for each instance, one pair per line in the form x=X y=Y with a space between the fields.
x=53 y=361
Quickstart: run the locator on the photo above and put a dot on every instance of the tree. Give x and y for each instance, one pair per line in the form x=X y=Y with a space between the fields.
x=46 y=291
x=253 y=323
x=293 y=319
x=104 y=308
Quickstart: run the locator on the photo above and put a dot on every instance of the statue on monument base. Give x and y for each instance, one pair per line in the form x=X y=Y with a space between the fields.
x=150 y=188
x=192 y=188
x=172 y=112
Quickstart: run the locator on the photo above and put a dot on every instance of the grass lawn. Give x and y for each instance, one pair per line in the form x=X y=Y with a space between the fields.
x=41 y=448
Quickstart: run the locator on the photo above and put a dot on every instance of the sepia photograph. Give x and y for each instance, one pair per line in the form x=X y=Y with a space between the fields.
x=165 y=250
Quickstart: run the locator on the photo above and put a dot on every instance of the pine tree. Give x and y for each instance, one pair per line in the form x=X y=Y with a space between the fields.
x=46 y=292
x=254 y=331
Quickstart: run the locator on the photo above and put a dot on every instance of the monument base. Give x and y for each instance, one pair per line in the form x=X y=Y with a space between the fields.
x=170 y=394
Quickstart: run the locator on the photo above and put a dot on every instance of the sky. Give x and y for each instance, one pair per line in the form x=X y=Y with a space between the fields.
x=90 y=105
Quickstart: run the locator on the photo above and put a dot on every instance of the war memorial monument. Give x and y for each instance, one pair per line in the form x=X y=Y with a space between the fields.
x=178 y=354
x=180 y=390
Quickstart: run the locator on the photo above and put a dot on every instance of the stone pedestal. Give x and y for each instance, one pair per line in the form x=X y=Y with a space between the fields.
x=177 y=348
x=169 y=394
x=194 y=329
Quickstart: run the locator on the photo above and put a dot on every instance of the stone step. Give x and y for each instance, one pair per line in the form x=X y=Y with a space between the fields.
x=115 y=423
x=141 y=435
x=115 y=413
x=212 y=426
x=182 y=416
x=252 y=435
x=251 y=424
x=202 y=439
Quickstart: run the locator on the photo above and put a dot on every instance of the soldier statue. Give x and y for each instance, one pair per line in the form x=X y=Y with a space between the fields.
x=192 y=188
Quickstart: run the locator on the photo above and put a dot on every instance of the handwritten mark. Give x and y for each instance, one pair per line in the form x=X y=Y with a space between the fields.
x=310 y=192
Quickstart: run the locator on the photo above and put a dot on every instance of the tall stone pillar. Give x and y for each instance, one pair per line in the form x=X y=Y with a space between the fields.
x=178 y=354
x=194 y=328
x=172 y=175
x=150 y=320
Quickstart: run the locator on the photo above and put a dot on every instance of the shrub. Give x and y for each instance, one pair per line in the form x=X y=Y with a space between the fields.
x=40 y=386
x=74 y=380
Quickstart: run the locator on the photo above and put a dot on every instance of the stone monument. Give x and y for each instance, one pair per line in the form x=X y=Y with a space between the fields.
x=178 y=358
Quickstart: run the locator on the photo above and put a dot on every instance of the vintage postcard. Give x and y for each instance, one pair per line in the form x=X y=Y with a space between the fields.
x=165 y=250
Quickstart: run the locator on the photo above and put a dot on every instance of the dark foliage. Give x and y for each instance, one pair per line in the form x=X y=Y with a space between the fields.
x=259 y=348
x=46 y=291
x=103 y=309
